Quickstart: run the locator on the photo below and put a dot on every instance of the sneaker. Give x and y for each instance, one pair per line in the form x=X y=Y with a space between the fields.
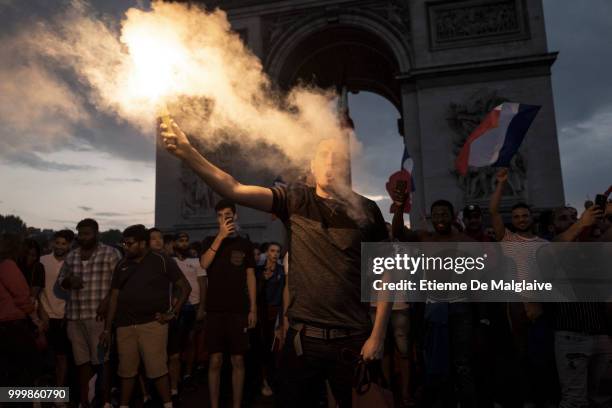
x=266 y=391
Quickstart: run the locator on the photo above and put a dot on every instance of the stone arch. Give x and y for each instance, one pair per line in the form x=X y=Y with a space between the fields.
x=360 y=49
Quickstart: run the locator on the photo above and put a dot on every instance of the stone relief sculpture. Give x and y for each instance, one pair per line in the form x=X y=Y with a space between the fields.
x=198 y=199
x=479 y=183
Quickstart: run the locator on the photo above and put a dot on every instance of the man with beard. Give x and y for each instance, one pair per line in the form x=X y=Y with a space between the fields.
x=86 y=274
x=529 y=328
x=140 y=308
x=330 y=326
x=193 y=312
x=449 y=326
x=53 y=307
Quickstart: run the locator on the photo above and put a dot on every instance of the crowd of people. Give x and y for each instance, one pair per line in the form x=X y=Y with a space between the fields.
x=156 y=314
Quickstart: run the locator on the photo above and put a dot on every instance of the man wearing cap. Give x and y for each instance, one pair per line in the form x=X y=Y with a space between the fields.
x=474 y=227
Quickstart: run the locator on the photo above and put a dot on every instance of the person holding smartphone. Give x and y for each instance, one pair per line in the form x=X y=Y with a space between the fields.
x=326 y=225
x=231 y=307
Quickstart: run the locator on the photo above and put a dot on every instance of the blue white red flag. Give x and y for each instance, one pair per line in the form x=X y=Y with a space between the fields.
x=497 y=139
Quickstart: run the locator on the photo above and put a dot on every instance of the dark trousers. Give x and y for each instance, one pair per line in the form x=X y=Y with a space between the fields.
x=449 y=356
x=19 y=357
x=300 y=380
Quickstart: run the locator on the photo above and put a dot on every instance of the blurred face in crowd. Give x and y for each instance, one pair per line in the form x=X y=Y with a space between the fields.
x=563 y=219
x=273 y=253
x=329 y=166
x=156 y=241
x=442 y=219
x=31 y=256
x=573 y=213
x=61 y=246
x=181 y=245
x=225 y=214
x=256 y=253
x=134 y=248
x=87 y=237
x=169 y=247
x=474 y=221
x=521 y=219
x=490 y=233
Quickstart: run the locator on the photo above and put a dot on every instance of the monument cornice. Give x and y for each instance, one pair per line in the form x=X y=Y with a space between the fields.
x=542 y=61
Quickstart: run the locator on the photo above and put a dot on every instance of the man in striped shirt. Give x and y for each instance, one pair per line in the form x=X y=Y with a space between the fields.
x=529 y=328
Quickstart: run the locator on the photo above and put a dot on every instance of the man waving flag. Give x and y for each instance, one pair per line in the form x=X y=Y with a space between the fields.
x=495 y=141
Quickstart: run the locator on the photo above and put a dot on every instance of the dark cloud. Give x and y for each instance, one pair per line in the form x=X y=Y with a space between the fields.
x=581 y=85
x=82 y=207
x=109 y=214
x=34 y=161
x=123 y=180
x=581 y=32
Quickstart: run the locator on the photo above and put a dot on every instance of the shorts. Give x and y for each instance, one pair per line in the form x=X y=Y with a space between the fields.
x=57 y=337
x=146 y=342
x=84 y=336
x=227 y=331
x=174 y=340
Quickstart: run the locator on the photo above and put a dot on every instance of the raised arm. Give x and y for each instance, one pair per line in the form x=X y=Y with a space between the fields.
x=177 y=143
x=398 y=229
x=496 y=218
x=587 y=219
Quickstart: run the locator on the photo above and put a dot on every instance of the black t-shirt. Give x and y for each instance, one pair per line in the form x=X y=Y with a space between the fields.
x=227 y=282
x=144 y=288
x=325 y=239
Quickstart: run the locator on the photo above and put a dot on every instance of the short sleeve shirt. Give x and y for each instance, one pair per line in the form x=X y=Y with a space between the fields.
x=227 y=275
x=192 y=270
x=96 y=273
x=143 y=288
x=325 y=239
x=53 y=304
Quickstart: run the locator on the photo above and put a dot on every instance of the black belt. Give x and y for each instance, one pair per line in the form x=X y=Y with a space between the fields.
x=325 y=333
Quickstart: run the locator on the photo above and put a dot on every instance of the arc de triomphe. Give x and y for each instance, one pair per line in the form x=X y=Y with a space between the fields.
x=443 y=64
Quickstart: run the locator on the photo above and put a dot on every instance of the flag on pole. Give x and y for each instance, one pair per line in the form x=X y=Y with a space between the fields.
x=496 y=140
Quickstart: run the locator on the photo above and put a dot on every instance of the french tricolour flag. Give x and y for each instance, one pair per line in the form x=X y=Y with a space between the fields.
x=498 y=137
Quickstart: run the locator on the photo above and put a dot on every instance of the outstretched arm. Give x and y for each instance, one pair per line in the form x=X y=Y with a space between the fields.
x=496 y=218
x=177 y=143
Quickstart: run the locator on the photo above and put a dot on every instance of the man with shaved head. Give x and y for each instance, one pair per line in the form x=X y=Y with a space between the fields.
x=329 y=326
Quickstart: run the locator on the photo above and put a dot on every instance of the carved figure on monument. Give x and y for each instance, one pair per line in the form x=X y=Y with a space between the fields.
x=198 y=199
x=479 y=183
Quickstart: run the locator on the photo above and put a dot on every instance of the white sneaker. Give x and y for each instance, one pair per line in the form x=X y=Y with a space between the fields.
x=266 y=391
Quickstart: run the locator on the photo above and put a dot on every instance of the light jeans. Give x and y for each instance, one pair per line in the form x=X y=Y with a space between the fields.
x=584 y=363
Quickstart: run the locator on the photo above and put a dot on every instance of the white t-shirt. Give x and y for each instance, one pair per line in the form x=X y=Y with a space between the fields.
x=54 y=306
x=192 y=270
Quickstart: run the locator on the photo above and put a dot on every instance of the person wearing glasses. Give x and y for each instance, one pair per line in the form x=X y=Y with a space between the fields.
x=140 y=309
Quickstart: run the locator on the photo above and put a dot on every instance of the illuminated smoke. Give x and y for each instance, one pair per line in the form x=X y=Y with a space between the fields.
x=190 y=59
x=171 y=54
